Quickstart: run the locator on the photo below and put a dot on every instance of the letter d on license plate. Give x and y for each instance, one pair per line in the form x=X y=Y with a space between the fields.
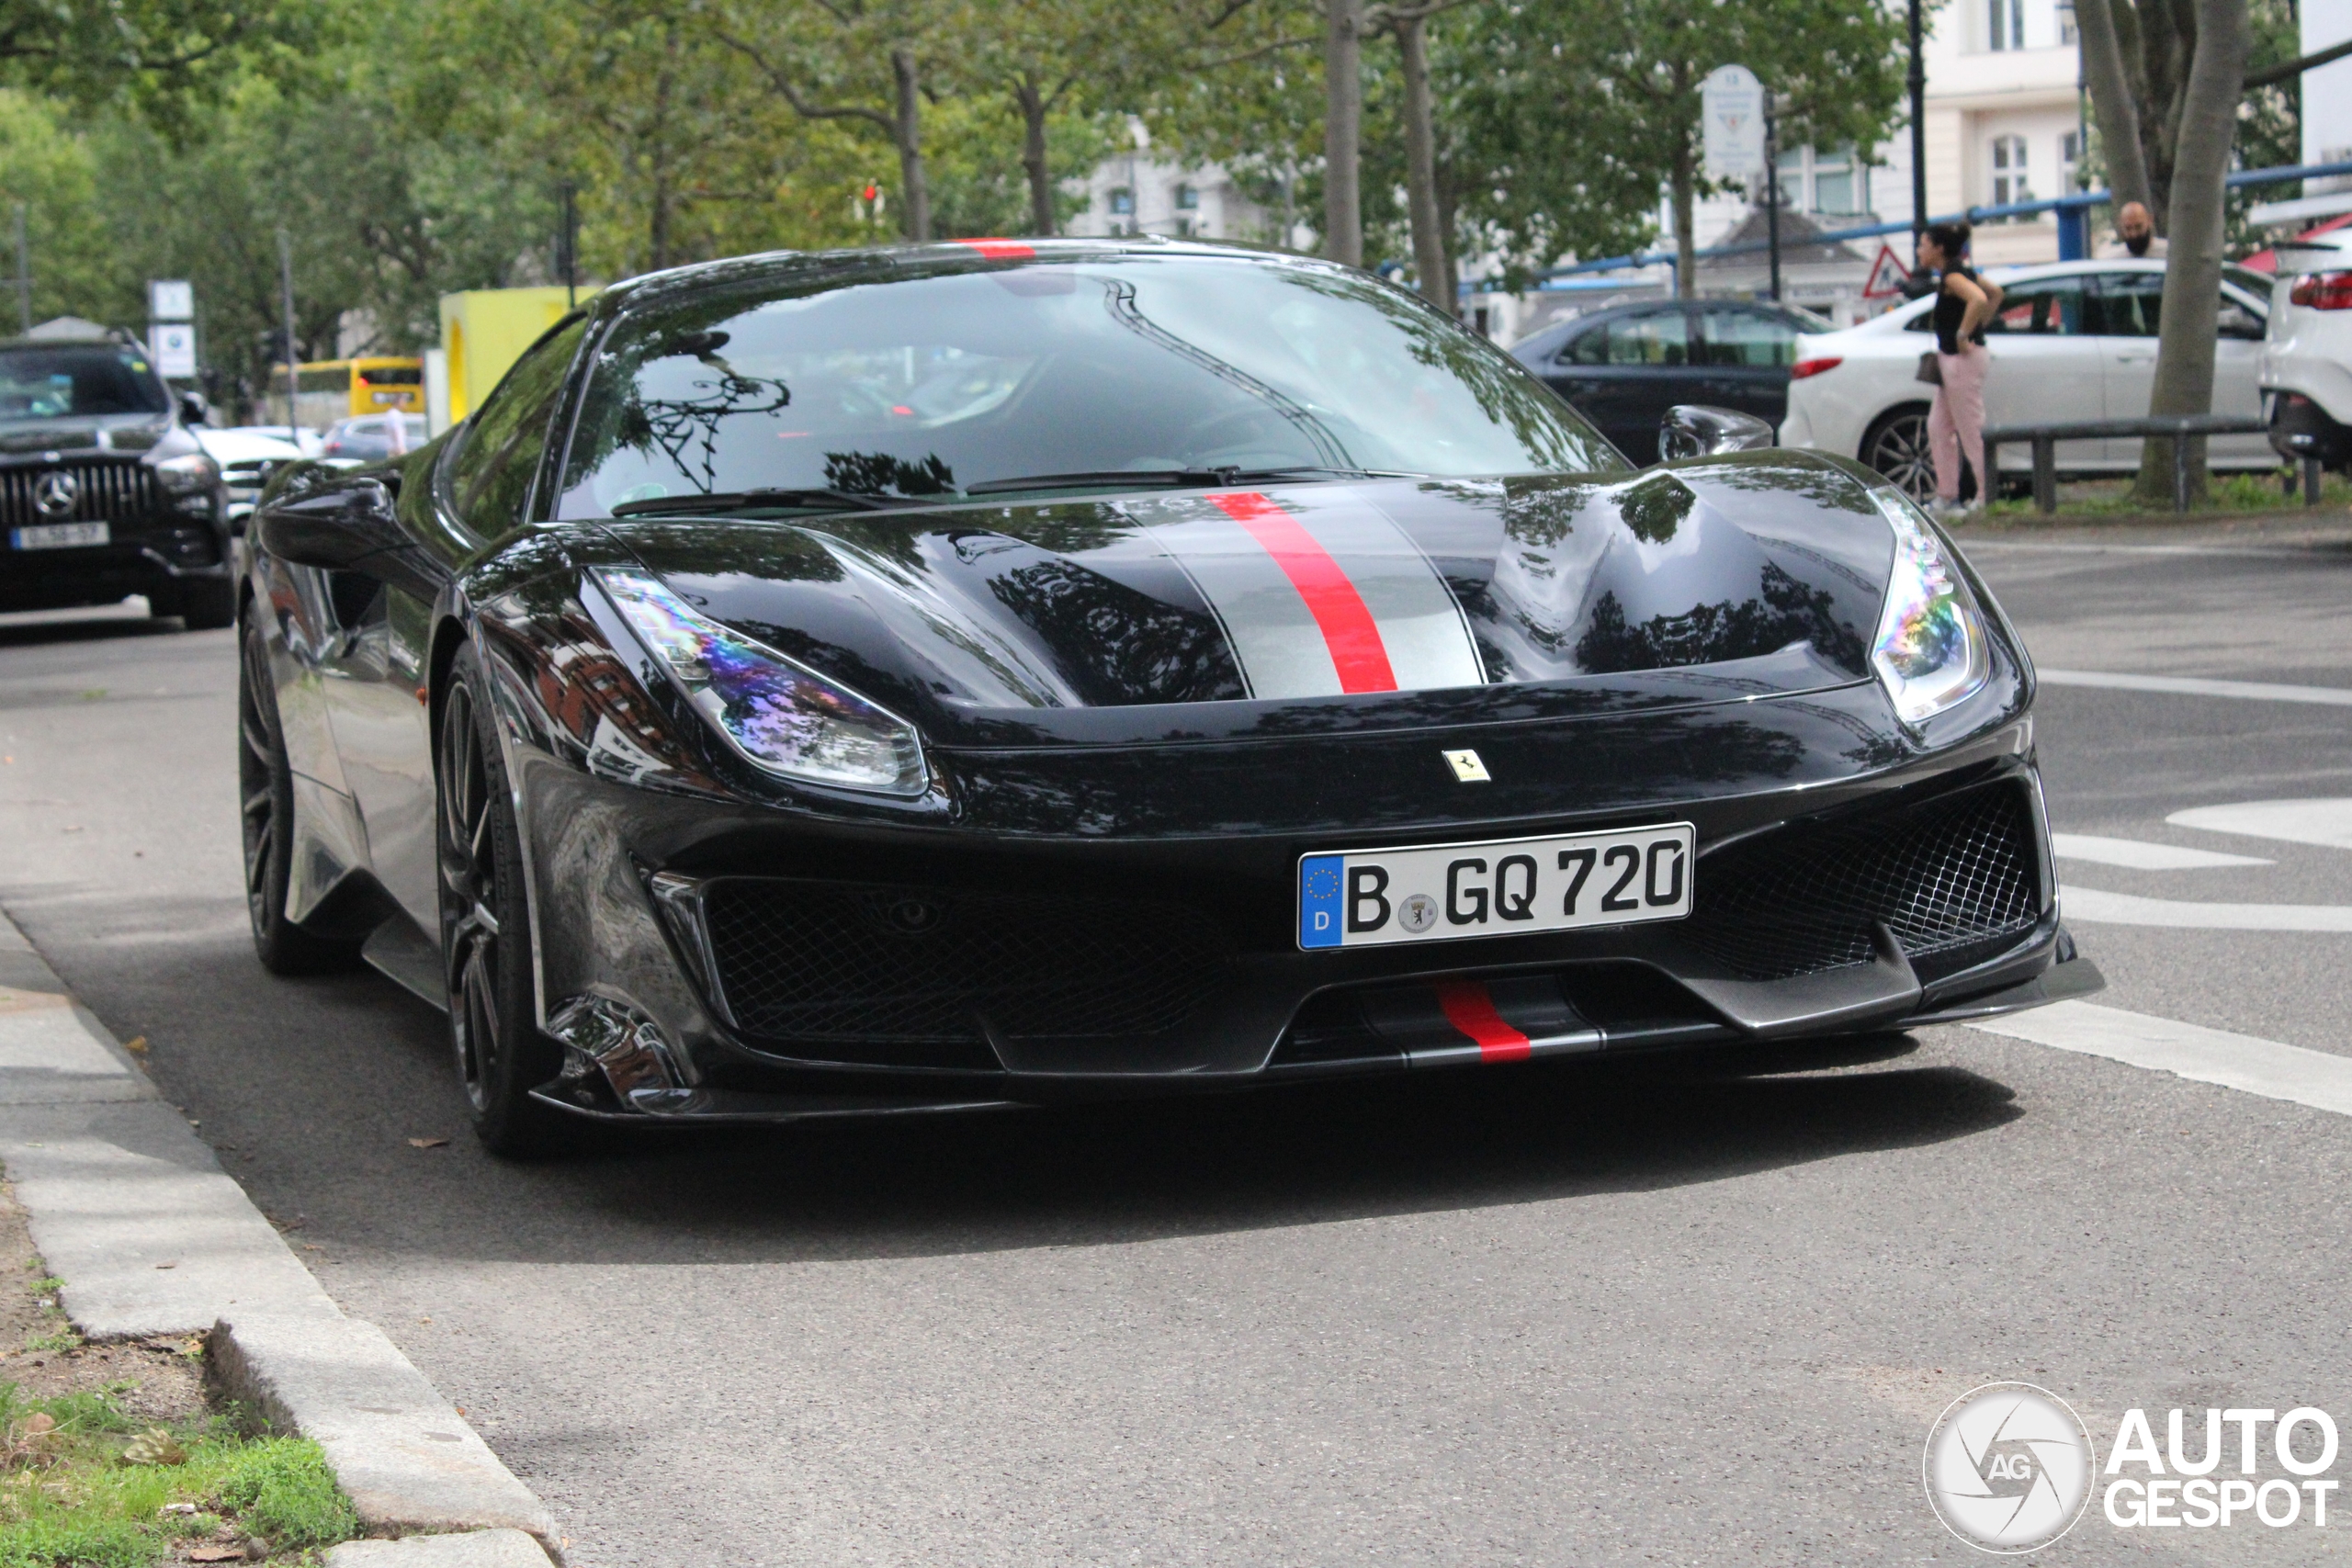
x=1506 y=887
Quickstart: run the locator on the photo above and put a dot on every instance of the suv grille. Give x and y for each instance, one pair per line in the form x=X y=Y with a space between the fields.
x=845 y=962
x=116 y=491
x=1946 y=874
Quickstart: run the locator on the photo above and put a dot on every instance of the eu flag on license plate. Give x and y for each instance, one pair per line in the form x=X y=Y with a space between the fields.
x=1320 y=879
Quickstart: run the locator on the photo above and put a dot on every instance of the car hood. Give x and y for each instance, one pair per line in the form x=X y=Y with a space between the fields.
x=1330 y=605
x=103 y=432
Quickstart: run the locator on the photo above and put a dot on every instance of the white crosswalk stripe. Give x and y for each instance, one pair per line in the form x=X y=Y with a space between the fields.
x=2241 y=1062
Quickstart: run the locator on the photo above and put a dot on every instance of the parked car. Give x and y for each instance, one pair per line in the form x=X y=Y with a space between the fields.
x=247 y=456
x=951 y=675
x=1625 y=365
x=104 y=492
x=2073 y=340
x=369 y=437
x=2306 y=366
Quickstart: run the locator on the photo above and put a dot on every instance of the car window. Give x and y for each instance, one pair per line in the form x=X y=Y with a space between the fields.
x=2126 y=304
x=490 y=475
x=2049 y=307
x=1656 y=337
x=1755 y=340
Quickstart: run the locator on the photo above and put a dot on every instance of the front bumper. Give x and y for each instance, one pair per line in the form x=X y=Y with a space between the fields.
x=704 y=960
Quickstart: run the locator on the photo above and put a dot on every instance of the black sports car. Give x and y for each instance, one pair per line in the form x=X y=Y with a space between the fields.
x=989 y=672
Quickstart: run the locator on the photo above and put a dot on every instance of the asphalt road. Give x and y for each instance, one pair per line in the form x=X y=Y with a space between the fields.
x=1519 y=1316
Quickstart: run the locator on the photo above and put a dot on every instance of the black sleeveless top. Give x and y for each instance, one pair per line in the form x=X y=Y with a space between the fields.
x=1949 y=309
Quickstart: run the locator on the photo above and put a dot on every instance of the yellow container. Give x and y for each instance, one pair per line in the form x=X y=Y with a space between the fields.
x=484 y=331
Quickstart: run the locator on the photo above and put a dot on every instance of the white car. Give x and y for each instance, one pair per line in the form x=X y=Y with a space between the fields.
x=2306 y=372
x=2073 y=340
x=247 y=457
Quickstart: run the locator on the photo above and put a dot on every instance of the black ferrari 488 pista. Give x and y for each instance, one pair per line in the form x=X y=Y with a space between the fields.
x=987 y=672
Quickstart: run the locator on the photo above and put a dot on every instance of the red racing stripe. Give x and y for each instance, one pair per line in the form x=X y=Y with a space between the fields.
x=1470 y=1010
x=1340 y=612
x=1002 y=250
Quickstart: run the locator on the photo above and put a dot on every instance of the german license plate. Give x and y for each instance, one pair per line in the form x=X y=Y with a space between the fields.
x=1506 y=887
x=57 y=535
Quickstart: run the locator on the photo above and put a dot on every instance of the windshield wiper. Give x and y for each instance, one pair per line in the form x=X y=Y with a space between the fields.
x=1170 y=477
x=742 y=500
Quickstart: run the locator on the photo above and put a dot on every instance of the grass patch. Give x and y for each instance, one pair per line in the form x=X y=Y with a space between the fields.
x=71 y=1498
x=2232 y=494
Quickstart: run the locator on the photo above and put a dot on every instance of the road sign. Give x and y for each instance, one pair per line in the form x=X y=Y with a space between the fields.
x=171 y=299
x=1731 y=108
x=174 y=345
x=1888 y=274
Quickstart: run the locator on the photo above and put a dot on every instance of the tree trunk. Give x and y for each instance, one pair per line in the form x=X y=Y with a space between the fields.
x=1682 y=180
x=2111 y=103
x=1032 y=156
x=2184 y=382
x=1343 y=132
x=1430 y=262
x=907 y=133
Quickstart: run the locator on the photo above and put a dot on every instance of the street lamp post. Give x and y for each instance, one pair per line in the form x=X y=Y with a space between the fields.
x=285 y=295
x=1919 y=83
x=1772 y=191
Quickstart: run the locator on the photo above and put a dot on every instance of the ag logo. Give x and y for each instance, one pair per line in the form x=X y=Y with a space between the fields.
x=56 y=493
x=2009 y=1468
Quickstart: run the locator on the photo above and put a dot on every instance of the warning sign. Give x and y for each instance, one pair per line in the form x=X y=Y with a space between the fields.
x=1888 y=275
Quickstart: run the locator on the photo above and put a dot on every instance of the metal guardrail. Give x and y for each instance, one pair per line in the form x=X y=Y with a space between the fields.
x=2076 y=207
x=2045 y=439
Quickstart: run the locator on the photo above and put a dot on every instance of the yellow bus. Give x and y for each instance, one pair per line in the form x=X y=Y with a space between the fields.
x=330 y=390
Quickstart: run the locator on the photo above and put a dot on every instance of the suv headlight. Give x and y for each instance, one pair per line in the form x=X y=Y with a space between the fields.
x=1931 y=650
x=195 y=471
x=781 y=716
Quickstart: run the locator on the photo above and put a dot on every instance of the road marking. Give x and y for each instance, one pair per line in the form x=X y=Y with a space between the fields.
x=2327 y=822
x=2195 y=686
x=2266 y=1068
x=2095 y=906
x=2141 y=856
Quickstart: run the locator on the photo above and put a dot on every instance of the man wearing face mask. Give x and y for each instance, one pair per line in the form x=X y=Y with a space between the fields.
x=2135 y=235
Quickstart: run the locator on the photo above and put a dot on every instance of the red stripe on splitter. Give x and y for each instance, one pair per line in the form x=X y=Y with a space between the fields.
x=1349 y=631
x=1002 y=250
x=1470 y=1010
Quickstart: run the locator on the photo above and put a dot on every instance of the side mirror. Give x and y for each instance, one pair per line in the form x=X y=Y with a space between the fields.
x=1695 y=429
x=193 y=409
x=2237 y=321
x=333 y=528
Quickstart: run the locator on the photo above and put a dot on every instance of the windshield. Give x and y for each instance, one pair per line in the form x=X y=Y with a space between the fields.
x=931 y=385
x=76 y=382
x=370 y=436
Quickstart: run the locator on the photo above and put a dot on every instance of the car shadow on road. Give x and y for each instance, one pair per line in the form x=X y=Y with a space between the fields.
x=30 y=630
x=314 y=1089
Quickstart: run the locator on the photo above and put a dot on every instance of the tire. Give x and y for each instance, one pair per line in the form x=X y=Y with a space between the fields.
x=265 y=789
x=208 y=604
x=485 y=918
x=1896 y=446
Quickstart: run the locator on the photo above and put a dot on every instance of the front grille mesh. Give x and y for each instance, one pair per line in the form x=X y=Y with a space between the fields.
x=1947 y=873
x=815 y=960
x=118 y=491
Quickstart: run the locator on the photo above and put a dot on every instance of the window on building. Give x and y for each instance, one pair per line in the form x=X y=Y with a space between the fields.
x=2011 y=176
x=1123 y=202
x=2070 y=155
x=1826 y=180
x=1188 y=198
x=2005 y=24
x=2068 y=33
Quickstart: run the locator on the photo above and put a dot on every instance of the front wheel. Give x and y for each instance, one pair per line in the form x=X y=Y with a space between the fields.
x=485 y=931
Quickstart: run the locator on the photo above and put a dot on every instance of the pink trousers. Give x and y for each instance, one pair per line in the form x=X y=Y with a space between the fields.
x=1956 y=422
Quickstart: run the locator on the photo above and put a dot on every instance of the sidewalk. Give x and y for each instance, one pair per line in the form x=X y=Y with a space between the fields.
x=131 y=1209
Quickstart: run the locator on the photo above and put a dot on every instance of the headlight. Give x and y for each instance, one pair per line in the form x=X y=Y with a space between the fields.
x=783 y=718
x=195 y=471
x=1931 y=650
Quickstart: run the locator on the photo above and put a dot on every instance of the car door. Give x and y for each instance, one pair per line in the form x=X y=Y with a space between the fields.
x=378 y=690
x=2044 y=368
x=2125 y=308
x=1746 y=350
x=2238 y=391
x=1624 y=371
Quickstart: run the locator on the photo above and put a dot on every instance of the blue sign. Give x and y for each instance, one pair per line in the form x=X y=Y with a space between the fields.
x=1320 y=879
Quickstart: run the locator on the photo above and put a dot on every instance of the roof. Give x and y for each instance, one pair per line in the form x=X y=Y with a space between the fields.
x=1799 y=244
x=69 y=329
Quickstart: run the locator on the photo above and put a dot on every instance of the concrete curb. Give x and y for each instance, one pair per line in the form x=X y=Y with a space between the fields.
x=130 y=1208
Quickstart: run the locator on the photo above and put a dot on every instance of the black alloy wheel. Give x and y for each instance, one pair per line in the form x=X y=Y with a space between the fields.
x=485 y=931
x=1897 y=447
x=266 y=788
x=208 y=604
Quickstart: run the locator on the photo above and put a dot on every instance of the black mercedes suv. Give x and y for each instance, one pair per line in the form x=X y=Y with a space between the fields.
x=104 y=493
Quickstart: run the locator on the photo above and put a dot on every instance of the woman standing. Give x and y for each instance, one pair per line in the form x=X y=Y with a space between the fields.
x=1956 y=422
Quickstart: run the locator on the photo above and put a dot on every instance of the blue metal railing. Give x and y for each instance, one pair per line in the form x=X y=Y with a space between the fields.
x=2074 y=224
